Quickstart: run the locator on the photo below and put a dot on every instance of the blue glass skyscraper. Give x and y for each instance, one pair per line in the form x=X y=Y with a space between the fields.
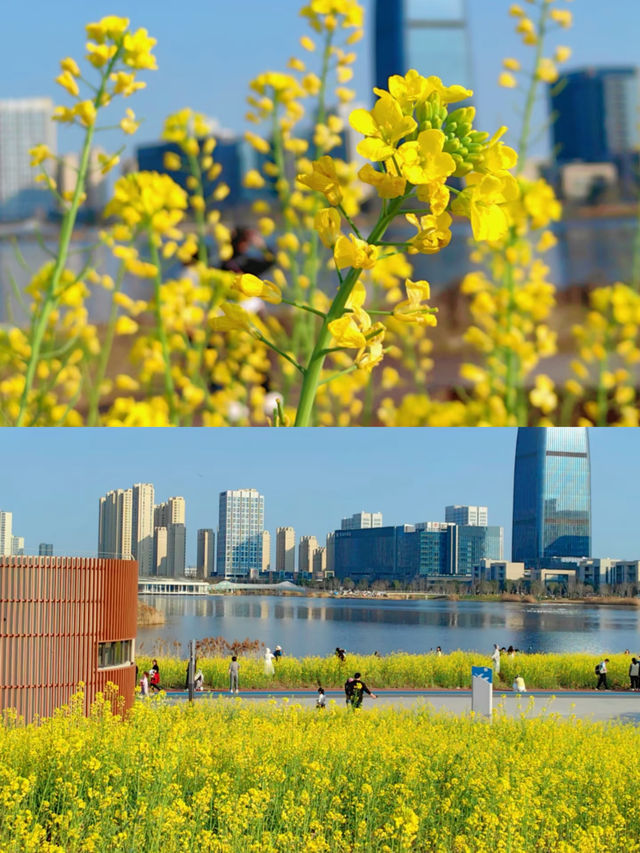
x=551 y=495
x=428 y=35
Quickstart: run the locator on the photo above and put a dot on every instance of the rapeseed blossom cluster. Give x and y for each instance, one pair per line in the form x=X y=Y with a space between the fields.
x=214 y=347
x=227 y=777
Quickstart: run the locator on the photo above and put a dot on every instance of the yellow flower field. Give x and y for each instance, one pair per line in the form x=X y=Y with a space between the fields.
x=220 y=776
x=400 y=670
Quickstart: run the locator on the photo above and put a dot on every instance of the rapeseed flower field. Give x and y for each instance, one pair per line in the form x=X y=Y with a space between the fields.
x=565 y=671
x=221 y=776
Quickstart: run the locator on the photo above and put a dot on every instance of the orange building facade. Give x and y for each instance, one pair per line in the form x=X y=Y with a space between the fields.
x=64 y=620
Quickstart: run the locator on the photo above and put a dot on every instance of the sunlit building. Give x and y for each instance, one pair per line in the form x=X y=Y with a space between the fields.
x=206 y=552
x=551 y=495
x=285 y=549
x=362 y=520
x=6 y=533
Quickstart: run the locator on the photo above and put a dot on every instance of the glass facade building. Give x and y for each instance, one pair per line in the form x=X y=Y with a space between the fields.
x=596 y=115
x=381 y=553
x=428 y=35
x=551 y=495
x=241 y=525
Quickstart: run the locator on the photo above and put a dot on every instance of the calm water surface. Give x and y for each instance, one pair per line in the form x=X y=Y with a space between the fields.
x=315 y=626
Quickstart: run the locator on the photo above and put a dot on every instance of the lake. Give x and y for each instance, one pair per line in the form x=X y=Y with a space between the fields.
x=315 y=626
x=595 y=251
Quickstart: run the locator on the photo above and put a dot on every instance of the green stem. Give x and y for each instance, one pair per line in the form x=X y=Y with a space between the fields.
x=105 y=352
x=66 y=232
x=523 y=142
x=304 y=307
x=316 y=361
x=281 y=352
x=169 y=387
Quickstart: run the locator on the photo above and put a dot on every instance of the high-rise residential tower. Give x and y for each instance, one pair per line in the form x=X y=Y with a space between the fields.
x=266 y=551
x=172 y=511
x=240 y=528
x=115 y=525
x=306 y=550
x=285 y=549
x=142 y=507
x=6 y=533
x=477 y=516
x=206 y=552
x=24 y=123
x=17 y=546
x=428 y=35
x=362 y=520
x=551 y=495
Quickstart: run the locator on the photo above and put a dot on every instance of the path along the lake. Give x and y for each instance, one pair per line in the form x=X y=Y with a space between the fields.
x=586 y=704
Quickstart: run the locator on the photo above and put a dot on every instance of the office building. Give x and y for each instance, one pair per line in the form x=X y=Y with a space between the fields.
x=266 y=551
x=551 y=495
x=115 y=525
x=24 y=123
x=228 y=152
x=362 y=521
x=306 y=550
x=285 y=549
x=384 y=553
x=240 y=528
x=160 y=567
x=65 y=620
x=500 y=571
x=17 y=546
x=428 y=35
x=142 y=524
x=45 y=549
x=476 y=544
x=454 y=549
x=206 y=553
x=6 y=533
x=477 y=516
x=176 y=550
x=596 y=115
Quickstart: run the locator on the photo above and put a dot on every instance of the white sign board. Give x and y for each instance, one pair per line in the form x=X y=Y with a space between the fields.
x=482 y=690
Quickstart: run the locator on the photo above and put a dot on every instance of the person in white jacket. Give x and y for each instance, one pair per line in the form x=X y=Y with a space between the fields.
x=495 y=657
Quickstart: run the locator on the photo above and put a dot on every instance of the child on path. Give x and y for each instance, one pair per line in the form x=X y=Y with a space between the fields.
x=321 y=700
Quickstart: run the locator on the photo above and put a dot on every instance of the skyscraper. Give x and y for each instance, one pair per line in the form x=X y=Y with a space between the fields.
x=172 y=511
x=206 y=552
x=306 y=550
x=24 y=123
x=176 y=550
x=477 y=516
x=240 y=527
x=160 y=568
x=551 y=495
x=596 y=114
x=266 y=551
x=428 y=35
x=114 y=525
x=285 y=549
x=17 y=546
x=142 y=527
x=6 y=534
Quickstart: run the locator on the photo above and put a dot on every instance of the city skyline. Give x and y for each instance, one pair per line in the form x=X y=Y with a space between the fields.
x=209 y=34
x=407 y=476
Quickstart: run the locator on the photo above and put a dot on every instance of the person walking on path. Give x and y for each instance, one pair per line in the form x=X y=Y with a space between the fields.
x=154 y=676
x=234 y=668
x=355 y=689
x=144 y=684
x=321 y=700
x=601 y=672
x=634 y=673
x=268 y=663
x=495 y=657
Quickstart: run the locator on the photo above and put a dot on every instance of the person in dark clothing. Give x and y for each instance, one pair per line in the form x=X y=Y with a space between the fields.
x=154 y=677
x=340 y=653
x=244 y=242
x=355 y=689
x=602 y=675
x=634 y=673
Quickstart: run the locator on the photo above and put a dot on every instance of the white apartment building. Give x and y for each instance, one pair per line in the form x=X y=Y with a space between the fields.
x=142 y=527
x=115 y=525
x=266 y=551
x=6 y=534
x=240 y=529
x=362 y=520
x=473 y=516
x=24 y=123
x=306 y=549
x=17 y=546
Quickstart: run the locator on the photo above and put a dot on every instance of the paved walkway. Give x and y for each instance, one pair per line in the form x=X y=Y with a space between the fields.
x=587 y=704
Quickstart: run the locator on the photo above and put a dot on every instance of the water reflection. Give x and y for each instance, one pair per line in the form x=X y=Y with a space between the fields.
x=412 y=626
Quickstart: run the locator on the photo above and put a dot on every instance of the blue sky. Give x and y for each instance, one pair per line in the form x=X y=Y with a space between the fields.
x=208 y=50
x=52 y=479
